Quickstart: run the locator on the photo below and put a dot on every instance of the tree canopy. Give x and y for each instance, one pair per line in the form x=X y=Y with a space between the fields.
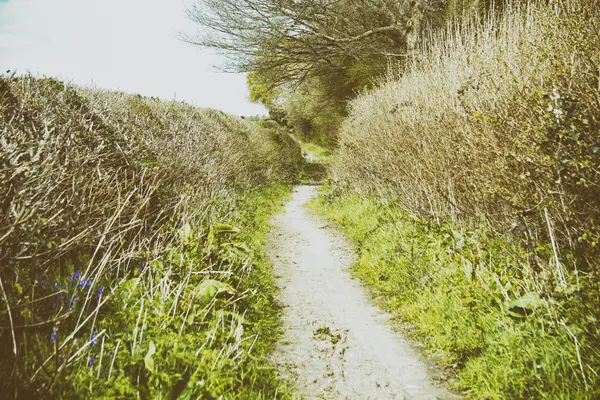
x=325 y=50
x=291 y=40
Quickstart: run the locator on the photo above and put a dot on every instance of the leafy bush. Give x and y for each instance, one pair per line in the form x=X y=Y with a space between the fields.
x=496 y=120
x=112 y=208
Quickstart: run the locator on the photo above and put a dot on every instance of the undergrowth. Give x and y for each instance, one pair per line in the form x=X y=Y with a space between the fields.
x=473 y=298
x=494 y=118
x=470 y=181
x=131 y=255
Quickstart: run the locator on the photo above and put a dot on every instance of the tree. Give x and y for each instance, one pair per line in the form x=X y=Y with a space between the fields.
x=313 y=52
x=291 y=40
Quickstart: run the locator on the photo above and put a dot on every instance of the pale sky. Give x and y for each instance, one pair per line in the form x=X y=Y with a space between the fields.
x=127 y=45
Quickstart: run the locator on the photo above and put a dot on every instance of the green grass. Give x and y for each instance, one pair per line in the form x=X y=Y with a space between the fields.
x=316 y=153
x=205 y=344
x=471 y=297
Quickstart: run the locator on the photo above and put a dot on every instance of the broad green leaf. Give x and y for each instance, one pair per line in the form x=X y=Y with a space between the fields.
x=209 y=288
x=186 y=232
x=148 y=359
x=528 y=301
x=224 y=228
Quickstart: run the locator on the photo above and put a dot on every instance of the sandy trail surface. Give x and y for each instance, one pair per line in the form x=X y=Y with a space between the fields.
x=336 y=345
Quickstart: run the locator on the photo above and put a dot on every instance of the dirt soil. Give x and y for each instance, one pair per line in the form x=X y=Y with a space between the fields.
x=336 y=345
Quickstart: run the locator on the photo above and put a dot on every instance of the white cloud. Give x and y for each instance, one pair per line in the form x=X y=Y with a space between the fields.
x=128 y=45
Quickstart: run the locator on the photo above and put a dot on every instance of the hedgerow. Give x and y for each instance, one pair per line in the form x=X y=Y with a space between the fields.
x=130 y=252
x=480 y=160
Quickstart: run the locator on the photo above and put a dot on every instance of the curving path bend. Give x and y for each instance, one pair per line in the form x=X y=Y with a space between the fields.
x=336 y=344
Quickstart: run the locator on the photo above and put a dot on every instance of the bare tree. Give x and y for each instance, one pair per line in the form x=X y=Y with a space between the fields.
x=290 y=40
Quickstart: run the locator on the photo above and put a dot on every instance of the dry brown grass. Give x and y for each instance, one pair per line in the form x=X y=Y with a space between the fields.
x=93 y=183
x=495 y=119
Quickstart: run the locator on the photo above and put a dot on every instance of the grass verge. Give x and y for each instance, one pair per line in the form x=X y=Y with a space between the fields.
x=208 y=335
x=470 y=296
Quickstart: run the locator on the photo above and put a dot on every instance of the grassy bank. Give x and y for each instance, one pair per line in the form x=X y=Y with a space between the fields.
x=131 y=236
x=471 y=296
x=495 y=118
x=470 y=181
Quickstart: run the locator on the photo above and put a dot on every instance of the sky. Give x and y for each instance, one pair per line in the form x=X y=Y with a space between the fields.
x=127 y=45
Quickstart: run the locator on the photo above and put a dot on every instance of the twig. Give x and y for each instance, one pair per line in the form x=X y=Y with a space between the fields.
x=12 y=327
x=561 y=274
x=578 y=354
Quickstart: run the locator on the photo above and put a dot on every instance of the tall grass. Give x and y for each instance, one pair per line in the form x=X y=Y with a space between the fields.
x=119 y=277
x=494 y=118
x=489 y=135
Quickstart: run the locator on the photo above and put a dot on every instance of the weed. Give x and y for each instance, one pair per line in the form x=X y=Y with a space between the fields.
x=474 y=299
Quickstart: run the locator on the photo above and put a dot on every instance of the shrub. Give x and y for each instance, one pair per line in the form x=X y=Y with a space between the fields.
x=112 y=208
x=494 y=120
x=488 y=138
x=470 y=296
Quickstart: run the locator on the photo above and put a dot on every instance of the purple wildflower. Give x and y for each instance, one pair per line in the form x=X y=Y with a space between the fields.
x=43 y=281
x=53 y=335
x=75 y=300
x=111 y=355
x=95 y=338
x=83 y=282
x=76 y=275
x=100 y=291
x=92 y=360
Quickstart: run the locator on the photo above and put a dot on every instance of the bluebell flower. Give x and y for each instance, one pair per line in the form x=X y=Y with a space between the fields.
x=83 y=282
x=94 y=338
x=100 y=291
x=92 y=360
x=75 y=300
x=53 y=335
x=43 y=282
x=111 y=355
x=76 y=275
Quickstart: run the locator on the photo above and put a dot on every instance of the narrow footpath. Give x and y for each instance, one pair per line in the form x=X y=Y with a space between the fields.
x=336 y=345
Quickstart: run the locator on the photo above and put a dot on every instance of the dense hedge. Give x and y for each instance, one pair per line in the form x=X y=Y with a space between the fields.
x=495 y=120
x=110 y=211
x=494 y=125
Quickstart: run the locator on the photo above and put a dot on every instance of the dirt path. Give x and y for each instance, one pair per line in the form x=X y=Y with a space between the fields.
x=337 y=345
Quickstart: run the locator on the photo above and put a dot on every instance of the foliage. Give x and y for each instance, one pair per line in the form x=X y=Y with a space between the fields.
x=470 y=182
x=475 y=300
x=309 y=58
x=118 y=277
x=494 y=120
x=289 y=40
x=316 y=113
